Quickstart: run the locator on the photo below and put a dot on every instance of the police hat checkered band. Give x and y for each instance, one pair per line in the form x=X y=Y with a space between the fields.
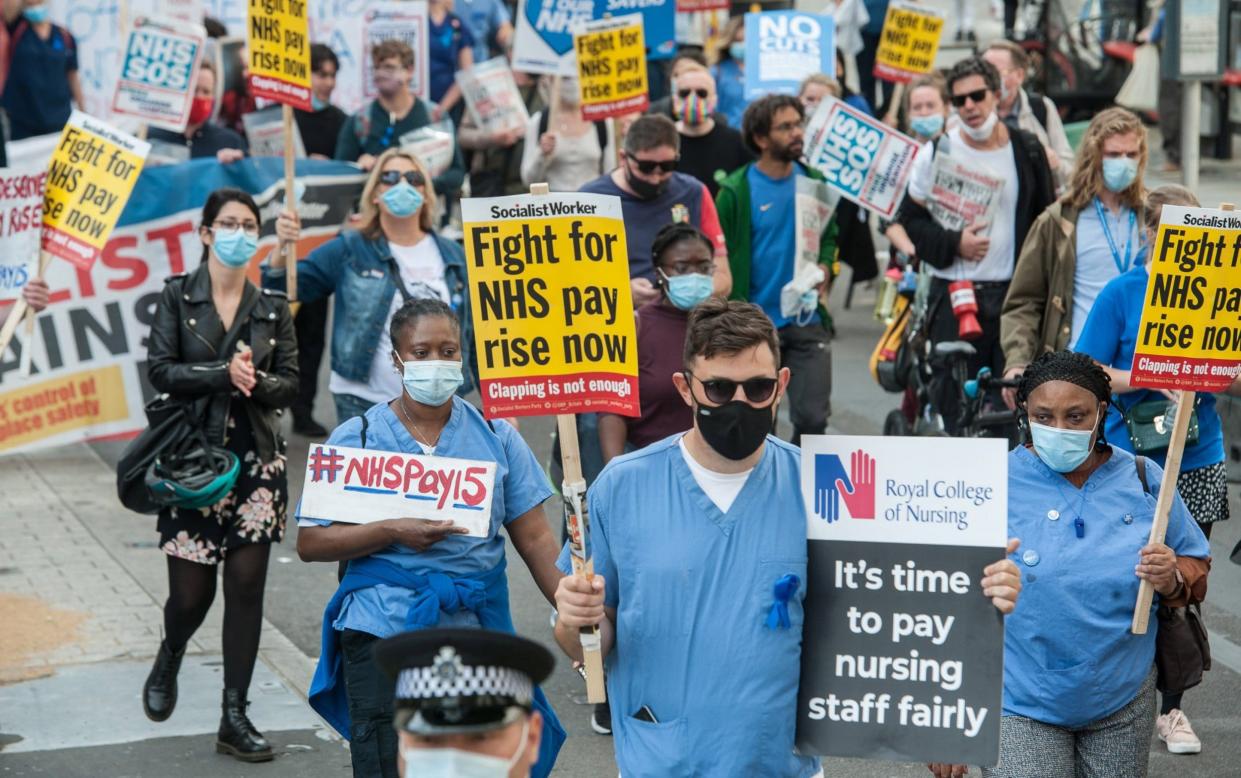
x=454 y=679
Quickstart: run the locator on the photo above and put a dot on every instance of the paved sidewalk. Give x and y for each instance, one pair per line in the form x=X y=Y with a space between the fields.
x=82 y=586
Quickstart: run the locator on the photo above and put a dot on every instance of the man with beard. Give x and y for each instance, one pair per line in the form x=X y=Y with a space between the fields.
x=709 y=147
x=652 y=195
x=758 y=212
x=380 y=124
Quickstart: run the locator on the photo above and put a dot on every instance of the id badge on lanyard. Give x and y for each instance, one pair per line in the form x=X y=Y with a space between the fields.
x=1121 y=266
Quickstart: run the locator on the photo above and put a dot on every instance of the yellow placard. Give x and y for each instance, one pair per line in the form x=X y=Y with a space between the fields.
x=1190 y=334
x=611 y=67
x=38 y=411
x=278 y=39
x=909 y=42
x=552 y=312
x=92 y=172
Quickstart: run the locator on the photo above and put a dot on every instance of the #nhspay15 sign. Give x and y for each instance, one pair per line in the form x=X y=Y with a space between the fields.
x=159 y=72
x=909 y=42
x=1190 y=335
x=902 y=655
x=553 y=317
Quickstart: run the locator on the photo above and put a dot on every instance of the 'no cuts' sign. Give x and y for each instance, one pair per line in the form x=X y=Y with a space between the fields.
x=783 y=47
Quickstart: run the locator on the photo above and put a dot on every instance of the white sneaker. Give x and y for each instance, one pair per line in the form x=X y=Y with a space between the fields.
x=1174 y=730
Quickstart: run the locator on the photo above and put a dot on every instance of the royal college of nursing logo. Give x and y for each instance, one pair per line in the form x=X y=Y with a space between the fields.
x=856 y=488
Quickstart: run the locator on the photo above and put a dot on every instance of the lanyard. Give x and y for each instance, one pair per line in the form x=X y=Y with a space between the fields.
x=1111 y=242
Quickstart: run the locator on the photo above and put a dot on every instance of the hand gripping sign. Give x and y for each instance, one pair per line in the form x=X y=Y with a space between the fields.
x=1190 y=334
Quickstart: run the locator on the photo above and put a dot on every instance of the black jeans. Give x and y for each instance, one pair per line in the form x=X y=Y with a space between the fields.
x=945 y=394
x=310 y=324
x=372 y=738
x=866 y=75
x=807 y=353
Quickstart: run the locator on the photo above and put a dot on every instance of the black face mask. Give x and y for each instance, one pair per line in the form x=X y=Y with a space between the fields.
x=735 y=429
x=645 y=189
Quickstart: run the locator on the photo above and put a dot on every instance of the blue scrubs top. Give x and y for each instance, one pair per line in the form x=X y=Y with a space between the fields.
x=730 y=91
x=1110 y=337
x=1069 y=658
x=692 y=588
x=773 y=239
x=37 y=97
x=519 y=486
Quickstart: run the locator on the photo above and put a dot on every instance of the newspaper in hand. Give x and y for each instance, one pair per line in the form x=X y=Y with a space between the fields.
x=492 y=98
x=963 y=194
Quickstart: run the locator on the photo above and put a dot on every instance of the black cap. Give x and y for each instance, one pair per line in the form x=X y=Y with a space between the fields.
x=461 y=680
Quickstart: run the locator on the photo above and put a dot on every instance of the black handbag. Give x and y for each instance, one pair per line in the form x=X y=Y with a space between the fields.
x=1150 y=426
x=171 y=424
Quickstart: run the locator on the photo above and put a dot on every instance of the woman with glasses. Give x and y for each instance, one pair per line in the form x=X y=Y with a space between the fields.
x=417 y=573
x=562 y=149
x=393 y=257
x=227 y=350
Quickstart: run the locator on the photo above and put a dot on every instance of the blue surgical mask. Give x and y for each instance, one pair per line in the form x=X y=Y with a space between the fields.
x=1119 y=173
x=688 y=290
x=402 y=200
x=737 y=51
x=1062 y=450
x=317 y=104
x=235 y=248
x=36 y=14
x=432 y=381
x=927 y=126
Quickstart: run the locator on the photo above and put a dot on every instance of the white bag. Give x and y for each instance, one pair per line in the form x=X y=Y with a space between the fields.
x=1140 y=92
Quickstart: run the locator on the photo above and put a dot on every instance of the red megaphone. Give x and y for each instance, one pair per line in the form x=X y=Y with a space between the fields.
x=964 y=306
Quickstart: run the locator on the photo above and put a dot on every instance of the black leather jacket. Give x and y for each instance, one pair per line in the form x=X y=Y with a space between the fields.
x=182 y=358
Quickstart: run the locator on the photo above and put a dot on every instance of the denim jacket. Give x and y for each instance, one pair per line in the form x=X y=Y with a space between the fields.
x=356 y=269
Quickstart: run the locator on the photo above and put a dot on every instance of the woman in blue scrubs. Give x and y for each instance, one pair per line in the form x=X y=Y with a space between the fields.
x=1079 y=687
x=416 y=573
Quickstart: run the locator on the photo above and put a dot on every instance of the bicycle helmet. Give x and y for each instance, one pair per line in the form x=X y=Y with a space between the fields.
x=194 y=478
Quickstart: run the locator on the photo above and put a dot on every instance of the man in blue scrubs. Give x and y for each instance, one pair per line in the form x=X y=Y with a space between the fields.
x=697 y=540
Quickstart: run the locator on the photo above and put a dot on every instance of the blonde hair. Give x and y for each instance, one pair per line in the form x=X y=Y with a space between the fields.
x=1168 y=194
x=831 y=84
x=1087 y=178
x=369 y=212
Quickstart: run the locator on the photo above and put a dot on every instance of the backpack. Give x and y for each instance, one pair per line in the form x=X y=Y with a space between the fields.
x=362 y=119
x=8 y=46
x=601 y=133
x=1038 y=106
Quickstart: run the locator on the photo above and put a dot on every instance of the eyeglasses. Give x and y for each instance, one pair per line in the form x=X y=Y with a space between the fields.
x=393 y=177
x=788 y=127
x=648 y=166
x=250 y=228
x=977 y=96
x=684 y=93
x=723 y=390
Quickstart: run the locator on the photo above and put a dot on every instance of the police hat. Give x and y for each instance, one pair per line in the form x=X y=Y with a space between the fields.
x=461 y=680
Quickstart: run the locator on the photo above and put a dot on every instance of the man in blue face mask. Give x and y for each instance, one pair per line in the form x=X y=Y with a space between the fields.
x=40 y=80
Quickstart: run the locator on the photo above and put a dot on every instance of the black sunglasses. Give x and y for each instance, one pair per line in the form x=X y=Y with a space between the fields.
x=723 y=390
x=684 y=93
x=977 y=96
x=648 y=166
x=393 y=177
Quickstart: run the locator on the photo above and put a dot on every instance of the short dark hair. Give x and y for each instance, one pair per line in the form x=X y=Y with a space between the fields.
x=720 y=326
x=974 y=66
x=214 y=27
x=650 y=132
x=392 y=49
x=672 y=234
x=759 y=115
x=1071 y=366
x=216 y=202
x=413 y=310
x=321 y=53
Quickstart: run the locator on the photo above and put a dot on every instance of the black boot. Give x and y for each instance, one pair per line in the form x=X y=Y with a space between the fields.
x=159 y=693
x=237 y=736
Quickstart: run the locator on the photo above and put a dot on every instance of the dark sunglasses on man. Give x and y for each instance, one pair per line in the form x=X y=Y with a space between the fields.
x=977 y=96
x=648 y=166
x=684 y=93
x=723 y=390
x=392 y=177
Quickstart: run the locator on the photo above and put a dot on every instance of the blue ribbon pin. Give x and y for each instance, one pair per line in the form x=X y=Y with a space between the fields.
x=783 y=591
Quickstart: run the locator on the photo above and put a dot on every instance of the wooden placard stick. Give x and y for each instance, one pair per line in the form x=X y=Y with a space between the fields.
x=290 y=201
x=577 y=519
x=894 y=105
x=27 y=316
x=1167 y=493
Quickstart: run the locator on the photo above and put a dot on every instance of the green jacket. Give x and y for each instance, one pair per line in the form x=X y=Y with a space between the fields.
x=733 y=204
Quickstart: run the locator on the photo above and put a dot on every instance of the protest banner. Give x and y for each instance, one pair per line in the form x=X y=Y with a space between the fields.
x=1189 y=338
x=699 y=6
x=402 y=20
x=159 y=73
x=553 y=317
x=278 y=40
x=89 y=359
x=611 y=67
x=360 y=486
x=963 y=194
x=783 y=47
x=543 y=40
x=21 y=219
x=265 y=133
x=659 y=18
x=864 y=160
x=92 y=172
x=902 y=654
x=434 y=144
x=492 y=98
x=909 y=42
